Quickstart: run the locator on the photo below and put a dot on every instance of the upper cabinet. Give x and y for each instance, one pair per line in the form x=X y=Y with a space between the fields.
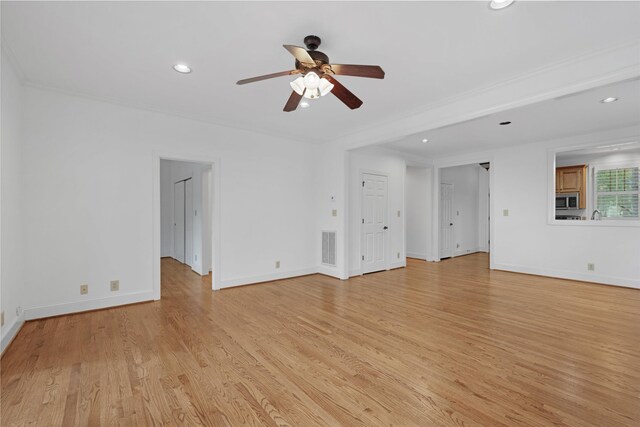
x=573 y=179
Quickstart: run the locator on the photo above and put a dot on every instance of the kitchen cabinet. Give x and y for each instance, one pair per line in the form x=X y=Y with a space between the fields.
x=573 y=179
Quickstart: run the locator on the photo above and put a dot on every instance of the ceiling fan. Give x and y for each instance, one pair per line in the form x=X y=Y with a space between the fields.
x=316 y=75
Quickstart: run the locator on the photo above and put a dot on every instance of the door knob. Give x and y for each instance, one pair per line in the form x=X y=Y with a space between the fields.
x=385 y=228
x=451 y=224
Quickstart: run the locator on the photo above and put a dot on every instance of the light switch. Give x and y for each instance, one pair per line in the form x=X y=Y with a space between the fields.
x=334 y=212
x=505 y=212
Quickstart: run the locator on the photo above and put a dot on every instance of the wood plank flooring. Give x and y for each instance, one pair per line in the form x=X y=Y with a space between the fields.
x=430 y=345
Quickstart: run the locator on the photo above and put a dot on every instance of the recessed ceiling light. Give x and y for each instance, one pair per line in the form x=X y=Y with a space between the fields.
x=504 y=123
x=499 y=4
x=305 y=104
x=182 y=68
x=608 y=100
x=424 y=141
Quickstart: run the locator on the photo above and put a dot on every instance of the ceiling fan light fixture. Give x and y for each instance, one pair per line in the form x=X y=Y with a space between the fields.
x=311 y=80
x=298 y=85
x=325 y=87
x=312 y=93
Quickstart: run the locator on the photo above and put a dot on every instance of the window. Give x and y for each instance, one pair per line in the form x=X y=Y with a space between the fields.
x=617 y=194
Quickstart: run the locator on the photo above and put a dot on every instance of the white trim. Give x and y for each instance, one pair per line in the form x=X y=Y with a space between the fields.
x=417 y=255
x=215 y=188
x=462 y=253
x=86 y=305
x=240 y=281
x=11 y=332
x=563 y=274
x=329 y=271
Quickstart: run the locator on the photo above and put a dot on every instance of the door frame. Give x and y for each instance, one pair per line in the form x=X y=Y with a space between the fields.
x=215 y=191
x=435 y=202
x=453 y=235
x=387 y=248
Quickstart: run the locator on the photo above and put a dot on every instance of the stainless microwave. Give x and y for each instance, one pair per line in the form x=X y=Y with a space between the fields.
x=568 y=201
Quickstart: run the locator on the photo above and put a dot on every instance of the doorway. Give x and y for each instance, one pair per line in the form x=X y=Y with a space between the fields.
x=463 y=209
x=188 y=217
x=374 y=223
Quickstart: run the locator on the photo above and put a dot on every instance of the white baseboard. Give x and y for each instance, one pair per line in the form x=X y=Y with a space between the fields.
x=330 y=271
x=416 y=255
x=11 y=332
x=79 y=306
x=240 y=281
x=465 y=252
x=355 y=272
x=561 y=274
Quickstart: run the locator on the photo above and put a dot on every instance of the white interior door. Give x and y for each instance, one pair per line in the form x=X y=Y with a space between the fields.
x=188 y=222
x=374 y=223
x=446 y=220
x=178 y=221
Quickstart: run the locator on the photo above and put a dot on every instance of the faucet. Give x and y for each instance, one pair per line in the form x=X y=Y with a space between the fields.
x=623 y=209
x=593 y=215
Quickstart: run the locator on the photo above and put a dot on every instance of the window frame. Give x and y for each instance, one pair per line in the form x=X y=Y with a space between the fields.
x=595 y=193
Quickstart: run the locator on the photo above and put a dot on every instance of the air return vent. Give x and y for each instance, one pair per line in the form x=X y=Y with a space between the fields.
x=329 y=248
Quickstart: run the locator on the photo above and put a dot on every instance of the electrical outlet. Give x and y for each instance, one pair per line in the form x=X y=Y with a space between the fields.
x=2 y=318
x=398 y=255
x=196 y=256
x=398 y=214
x=18 y=311
x=115 y=285
x=277 y=264
x=457 y=245
x=334 y=212
x=591 y=266
x=505 y=212
x=84 y=289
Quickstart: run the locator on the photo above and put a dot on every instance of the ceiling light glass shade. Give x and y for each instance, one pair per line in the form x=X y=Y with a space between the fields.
x=311 y=80
x=312 y=93
x=182 y=68
x=298 y=85
x=325 y=87
x=499 y=4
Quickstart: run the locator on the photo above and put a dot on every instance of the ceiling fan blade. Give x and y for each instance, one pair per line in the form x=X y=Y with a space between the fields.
x=370 y=71
x=265 y=77
x=300 y=54
x=293 y=102
x=343 y=94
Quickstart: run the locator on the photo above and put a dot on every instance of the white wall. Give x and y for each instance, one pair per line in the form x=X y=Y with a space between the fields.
x=88 y=170
x=418 y=212
x=176 y=171
x=11 y=205
x=524 y=241
x=394 y=167
x=465 y=205
x=331 y=194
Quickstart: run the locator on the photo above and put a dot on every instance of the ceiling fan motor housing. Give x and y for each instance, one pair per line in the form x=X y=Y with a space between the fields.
x=312 y=42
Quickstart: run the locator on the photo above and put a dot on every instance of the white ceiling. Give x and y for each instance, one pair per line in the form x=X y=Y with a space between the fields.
x=576 y=114
x=430 y=51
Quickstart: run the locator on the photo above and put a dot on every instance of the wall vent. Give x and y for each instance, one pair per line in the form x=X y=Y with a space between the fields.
x=329 y=248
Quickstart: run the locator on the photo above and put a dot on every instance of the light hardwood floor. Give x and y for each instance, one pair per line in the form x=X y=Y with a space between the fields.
x=430 y=345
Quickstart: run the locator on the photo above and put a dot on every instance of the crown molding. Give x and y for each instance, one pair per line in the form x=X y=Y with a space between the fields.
x=578 y=73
